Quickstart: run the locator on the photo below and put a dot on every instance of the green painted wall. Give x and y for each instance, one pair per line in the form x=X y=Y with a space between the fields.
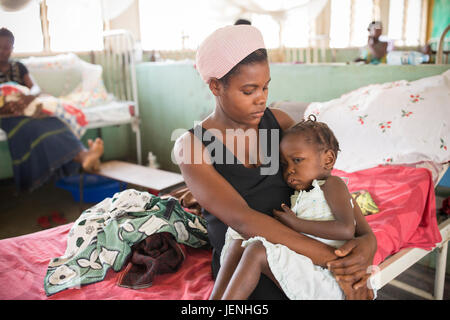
x=173 y=96
x=441 y=18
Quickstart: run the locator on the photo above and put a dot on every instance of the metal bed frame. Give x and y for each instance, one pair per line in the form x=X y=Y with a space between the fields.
x=119 y=74
x=394 y=265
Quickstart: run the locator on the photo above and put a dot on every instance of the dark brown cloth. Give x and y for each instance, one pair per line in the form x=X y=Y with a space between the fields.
x=157 y=254
x=446 y=206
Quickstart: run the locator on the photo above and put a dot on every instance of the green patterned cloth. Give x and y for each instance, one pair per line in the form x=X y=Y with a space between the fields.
x=103 y=235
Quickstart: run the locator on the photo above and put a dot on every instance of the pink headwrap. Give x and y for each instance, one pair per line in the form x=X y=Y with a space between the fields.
x=225 y=48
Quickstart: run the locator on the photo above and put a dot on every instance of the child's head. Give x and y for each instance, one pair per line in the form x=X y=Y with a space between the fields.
x=308 y=151
x=375 y=29
x=6 y=44
x=233 y=62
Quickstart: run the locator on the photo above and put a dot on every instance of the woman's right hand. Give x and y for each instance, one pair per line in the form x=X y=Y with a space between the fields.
x=362 y=293
x=351 y=268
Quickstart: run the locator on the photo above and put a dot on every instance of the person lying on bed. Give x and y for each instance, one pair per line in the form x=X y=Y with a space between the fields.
x=40 y=148
x=322 y=207
x=230 y=176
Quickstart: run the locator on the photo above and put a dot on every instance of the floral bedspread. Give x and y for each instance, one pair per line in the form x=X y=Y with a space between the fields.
x=102 y=237
x=15 y=100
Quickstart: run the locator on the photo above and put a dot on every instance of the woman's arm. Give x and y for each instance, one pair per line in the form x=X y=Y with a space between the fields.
x=217 y=196
x=340 y=202
x=31 y=84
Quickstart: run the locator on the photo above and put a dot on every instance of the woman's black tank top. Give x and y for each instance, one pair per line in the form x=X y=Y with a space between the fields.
x=262 y=192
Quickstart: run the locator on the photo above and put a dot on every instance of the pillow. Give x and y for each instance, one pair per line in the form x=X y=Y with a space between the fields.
x=67 y=76
x=398 y=122
x=56 y=75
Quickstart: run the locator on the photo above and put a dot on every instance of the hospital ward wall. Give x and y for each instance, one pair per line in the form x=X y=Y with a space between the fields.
x=172 y=97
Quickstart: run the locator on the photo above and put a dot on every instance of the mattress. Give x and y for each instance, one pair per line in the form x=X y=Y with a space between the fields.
x=112 y=113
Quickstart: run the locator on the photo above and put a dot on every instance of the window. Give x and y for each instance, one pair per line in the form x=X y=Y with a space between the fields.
x=296 y=30
x=413 y=22
x=175 y=24
x=192 y=21
x=340 y=23
x=28 y=36
x=269 y=29
x=350 y=18
x=75 y=25
x=405 y=22
x=362 y=16
x=349 y=21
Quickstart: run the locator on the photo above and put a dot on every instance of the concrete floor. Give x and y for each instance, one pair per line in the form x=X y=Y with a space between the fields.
x=19 y=215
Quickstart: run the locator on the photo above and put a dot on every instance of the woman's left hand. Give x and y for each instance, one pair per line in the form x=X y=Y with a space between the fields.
x=355 y=258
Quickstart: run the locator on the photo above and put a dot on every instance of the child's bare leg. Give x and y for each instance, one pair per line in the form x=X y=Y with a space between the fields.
x=227 y=269
x=246 y=277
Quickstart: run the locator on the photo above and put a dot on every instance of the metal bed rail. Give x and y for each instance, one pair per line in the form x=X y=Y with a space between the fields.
x=394 y=265
x=119 y=74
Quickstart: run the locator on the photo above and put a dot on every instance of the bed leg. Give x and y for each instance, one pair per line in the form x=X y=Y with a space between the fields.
x=137 y=131
x=439 y=278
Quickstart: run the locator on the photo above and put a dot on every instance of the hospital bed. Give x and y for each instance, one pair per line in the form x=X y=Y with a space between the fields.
x=406 y=229
x=397 y=262
x=24 y=259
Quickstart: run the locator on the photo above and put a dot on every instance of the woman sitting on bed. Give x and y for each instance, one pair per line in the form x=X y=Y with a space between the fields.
x=45 y=147
x=234 y=183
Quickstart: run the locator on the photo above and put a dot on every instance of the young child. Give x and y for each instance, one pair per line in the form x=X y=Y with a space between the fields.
x=376 y=49
x=321 y=207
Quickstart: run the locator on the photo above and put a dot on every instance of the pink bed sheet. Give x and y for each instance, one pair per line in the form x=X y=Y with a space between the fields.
x=407 y=218
x=24 y=261
x=406 y=199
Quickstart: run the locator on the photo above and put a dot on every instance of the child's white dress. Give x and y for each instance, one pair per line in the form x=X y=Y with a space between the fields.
x=299 y=278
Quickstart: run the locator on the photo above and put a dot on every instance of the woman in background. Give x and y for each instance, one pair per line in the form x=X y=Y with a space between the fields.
x=41 y=148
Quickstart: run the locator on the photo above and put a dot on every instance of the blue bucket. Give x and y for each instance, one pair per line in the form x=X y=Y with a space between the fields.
x=95 y=188
x=445 y=181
